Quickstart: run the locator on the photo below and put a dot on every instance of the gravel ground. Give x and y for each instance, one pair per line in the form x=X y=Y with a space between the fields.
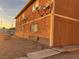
x=17 y=47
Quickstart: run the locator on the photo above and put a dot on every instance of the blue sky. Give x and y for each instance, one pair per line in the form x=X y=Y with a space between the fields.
x=9 y=9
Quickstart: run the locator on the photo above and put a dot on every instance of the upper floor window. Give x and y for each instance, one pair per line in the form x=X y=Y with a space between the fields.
x=33 y=8
x=35 y=5
x=25 y=19
x=43 y=9
x=23 y=16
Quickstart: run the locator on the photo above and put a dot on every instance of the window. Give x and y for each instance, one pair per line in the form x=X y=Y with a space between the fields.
x=34 y=27
x=35 y=5
x=19 y=20
x=23 y=16
x=33 y=8
x=20 y=29
x=25 y=19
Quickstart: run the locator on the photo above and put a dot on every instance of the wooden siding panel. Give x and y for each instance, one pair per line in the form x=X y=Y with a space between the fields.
x=68 y=8
x=32 y=15
x=66 y=32
x=43 y=28
x=76 y=32
x=44 y=2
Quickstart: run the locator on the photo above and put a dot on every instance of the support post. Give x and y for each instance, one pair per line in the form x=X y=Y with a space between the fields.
x=52 y=24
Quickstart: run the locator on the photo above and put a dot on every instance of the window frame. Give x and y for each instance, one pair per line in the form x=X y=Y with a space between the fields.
x=34 y=27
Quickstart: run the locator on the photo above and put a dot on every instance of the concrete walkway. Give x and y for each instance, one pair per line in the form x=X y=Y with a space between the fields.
x=67 y=48
x=50 y=52
x=42 y=54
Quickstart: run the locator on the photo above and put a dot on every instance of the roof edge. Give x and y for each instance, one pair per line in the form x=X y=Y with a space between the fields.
x=25 y=7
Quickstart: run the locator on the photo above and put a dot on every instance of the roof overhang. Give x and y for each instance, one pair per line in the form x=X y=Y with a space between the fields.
x=24 y=8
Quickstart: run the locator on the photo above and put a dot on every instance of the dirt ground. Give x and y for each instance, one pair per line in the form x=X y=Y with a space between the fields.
x=13 y=47
x=17 y=47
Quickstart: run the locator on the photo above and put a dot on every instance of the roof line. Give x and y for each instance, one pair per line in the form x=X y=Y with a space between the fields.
x=25 y=7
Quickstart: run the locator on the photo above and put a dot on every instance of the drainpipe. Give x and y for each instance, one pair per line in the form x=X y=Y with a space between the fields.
x=52 y=24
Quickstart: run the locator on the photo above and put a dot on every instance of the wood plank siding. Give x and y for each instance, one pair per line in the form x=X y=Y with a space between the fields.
x=57 y=28
x=67 y=27
x=43 y=22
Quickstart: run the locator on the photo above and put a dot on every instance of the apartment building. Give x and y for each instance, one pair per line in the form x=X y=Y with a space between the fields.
x=50 y=22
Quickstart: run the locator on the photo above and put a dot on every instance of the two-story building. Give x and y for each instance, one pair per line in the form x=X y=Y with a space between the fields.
x=50 y=22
